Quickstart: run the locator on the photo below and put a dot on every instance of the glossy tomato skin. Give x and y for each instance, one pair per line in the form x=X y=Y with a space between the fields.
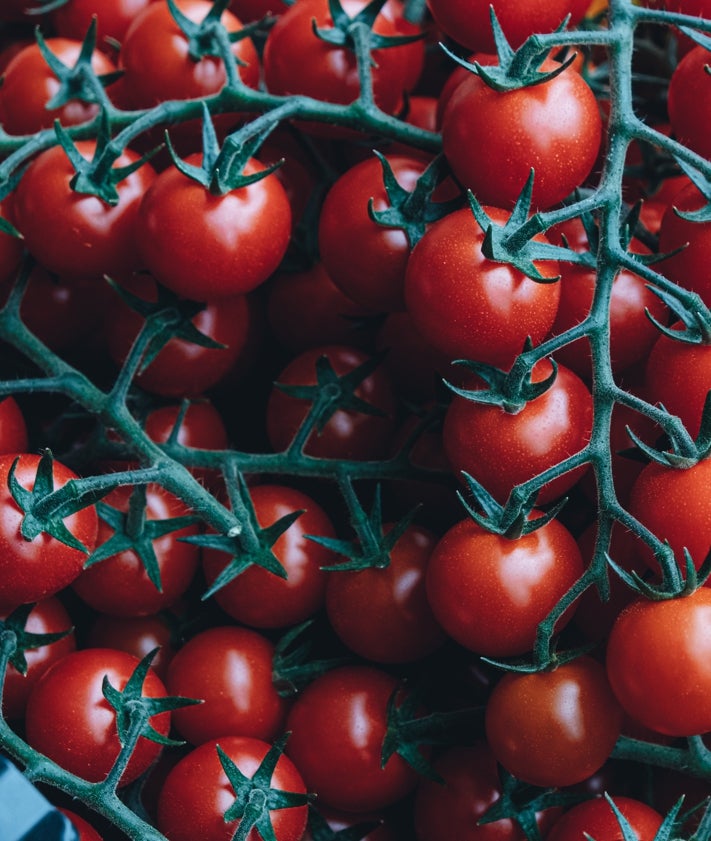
x=136 y=635
x=261 y=599
x=13 y=429
x=76 y=234
x=595 y=819
x=337 y=727
x=113 y=17
x=48 y=616
x=501 y=450
x=554 y=728
x=197 y=793
x=31 y=570
x=204 y=246
x=654 y=649
x=688 y=98
x=29 y=84
x=470 y=307
x=347 y=434
x=119 y=585
x=383 y=614
x=493 y=139
x=490 y=593
x=230 y=669
x=69 y=720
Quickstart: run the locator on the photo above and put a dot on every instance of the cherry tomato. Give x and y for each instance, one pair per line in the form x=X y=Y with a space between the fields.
x=13 y=429
x=595 y=819
x=69 y=720
x=113 y=17
x=339 y=821
x=137 y=635
x=187 y=811
x=84 y=828
x=554 y=728
x=688 y=96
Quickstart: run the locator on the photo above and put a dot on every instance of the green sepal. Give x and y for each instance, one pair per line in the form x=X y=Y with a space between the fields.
x=46 y=8
x=554 y=659
x=697 y=321
x=700 y=38
x=25 y=640
x=6 y=188
x=340 y=34
x=319 y=830
x=201 y=36
x=681 y=455
x=703 y=184
x=678 y=587
x=293 y=667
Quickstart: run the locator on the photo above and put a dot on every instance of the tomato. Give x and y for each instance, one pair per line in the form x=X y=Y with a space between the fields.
x=13 y=429
x=10 y=246
x=338 y=822
x=340 y=762
x=230 y=669
x=69 y=720
x=187 y=811
x=85 y=830
x=675 y=505
x=120 y=584
x=595 y=819
x=249 y=10
x=471 y=786
x=655 y=649
x=113 y=17
x=382 y=613
x=470 y=307
x=490 y=593
x=47 y=617
x=31 y=570
x=76 y=234
x=688 y=96
x=137 y=635
x=493 y=139
x=29 y=84
x=554 y=728
x=261 y=599
x=501 y=450
x=347 y=434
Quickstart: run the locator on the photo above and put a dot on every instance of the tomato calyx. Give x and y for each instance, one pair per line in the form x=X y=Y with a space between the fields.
x=343 y=31
x=293 y=666
x=319 y=829
x=208 y=37
x=685 y=452
x=675 y=585
x=14 y=627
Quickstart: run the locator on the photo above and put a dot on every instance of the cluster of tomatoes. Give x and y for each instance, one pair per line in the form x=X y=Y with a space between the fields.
x=241 y=597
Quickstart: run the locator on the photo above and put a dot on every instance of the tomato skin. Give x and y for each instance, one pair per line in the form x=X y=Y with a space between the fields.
x=348 y=434
x=136 y=635
x=86 y=830
x=595 y=818
x=469 y=307
x=32 y=570
x=689 y=94
x=204 y=246
x=654 y=649
x=69 y=720
x=261 y=599
x=197 y=793
x=28 y=84
x=47 y=617
x=554 y=728
x=74 y=234
x=501 y=450
x=337 y=729
x=230 y=668
x=490 y=593
x=492 y=140
x=113 y=17
x=383 y=614
x=13 y=429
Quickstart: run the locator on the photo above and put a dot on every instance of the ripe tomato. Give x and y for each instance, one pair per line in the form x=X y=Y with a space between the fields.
x=187 y=811
x=85 y=830
x=490 y=593
x=31 y=570
x=29 y=84
x=554 y=728
x=261 y=599
x=492 y=139
x=340 y=762
x=13 y=429
x=688 y=98
x=468 y=306
x=595 y=819
x=230 y=669
x=501 y=450
x=69 y=720
x=137 y=635
x=113 y=17
x=347 y=434
x=382 y=613
x=668 y=694
x=76 y=234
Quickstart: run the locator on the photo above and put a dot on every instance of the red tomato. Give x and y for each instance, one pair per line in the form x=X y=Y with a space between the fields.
x=29 y=84
x=340 y=821
x=347 y=434
x=490 y=593
x=113 y=17
x=187 y=811
x=120 y=585
x=13 y=429
x=647 y=681
x=470 y=307
x=340 y=762
x=382 y=613
x=261 y=599
x=230 y=669
x=31 y=570
x=689 y=95
x=137 y=635
x=76 y=234
x=554 y=728
x=46 y=617
x=492 y=139
x=249 y=10
x=595 y=819
x=69 y=720
x=204 y=246
x=86 y=830
x=501 y=450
